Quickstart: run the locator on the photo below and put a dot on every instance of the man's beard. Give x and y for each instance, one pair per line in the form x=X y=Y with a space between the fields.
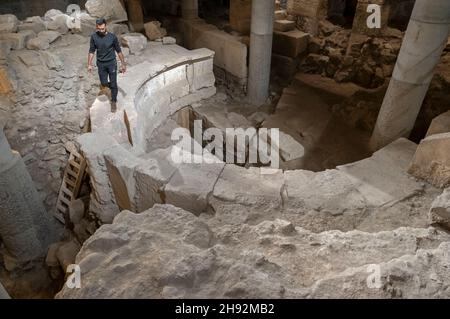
x=102 y=34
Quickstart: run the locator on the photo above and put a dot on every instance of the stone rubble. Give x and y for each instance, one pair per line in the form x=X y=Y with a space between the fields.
x=440 y=210
x=112 y=10
x=167 y=252
x=154 y=31
x=432 y=160
x=8 y=23
x=35 y=24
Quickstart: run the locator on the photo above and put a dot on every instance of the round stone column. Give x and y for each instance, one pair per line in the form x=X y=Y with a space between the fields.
x=135 y=15
x=423 y=44
x=26 y=229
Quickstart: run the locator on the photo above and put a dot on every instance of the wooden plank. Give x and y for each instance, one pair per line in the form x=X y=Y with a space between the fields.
x=72 y=173
x=65 y=201
x=60 y=218
x=75 y=164
x=70 y=183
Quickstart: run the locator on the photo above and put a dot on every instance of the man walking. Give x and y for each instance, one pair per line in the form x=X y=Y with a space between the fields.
x=106 y=44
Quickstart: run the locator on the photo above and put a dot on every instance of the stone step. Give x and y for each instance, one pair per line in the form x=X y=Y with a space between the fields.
x=283 y=25
x=280 y=15
x=383 y=178
x=375 y=181
x=329 y=87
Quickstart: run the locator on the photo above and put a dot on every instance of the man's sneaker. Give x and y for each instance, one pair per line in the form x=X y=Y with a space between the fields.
x=113 y=107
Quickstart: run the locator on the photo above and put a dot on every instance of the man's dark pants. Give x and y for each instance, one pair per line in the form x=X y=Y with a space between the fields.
x=105 y=70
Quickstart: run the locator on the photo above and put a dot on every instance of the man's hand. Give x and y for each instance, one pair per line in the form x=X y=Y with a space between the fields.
x=123 y=65
x=123 y=68
x=90 y=67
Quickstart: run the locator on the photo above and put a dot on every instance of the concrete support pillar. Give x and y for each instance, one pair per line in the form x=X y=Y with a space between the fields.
x=189 y=9
x=26 y=229
x=135 y=15
x=422 y=47
x=260 y=50
x=3 y=293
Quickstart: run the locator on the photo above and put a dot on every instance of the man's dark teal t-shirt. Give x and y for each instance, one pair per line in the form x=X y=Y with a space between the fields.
x=106 y=46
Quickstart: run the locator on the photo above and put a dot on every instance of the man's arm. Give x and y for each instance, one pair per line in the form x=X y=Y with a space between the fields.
x=123 y=65
x=92 y=50
x=90 y=58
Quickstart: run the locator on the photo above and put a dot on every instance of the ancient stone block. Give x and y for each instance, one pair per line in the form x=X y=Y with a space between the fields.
x=8 y=23
x=283 y=25
x=202 y=75
x=120 y=166
x=38 y=43
x=111 y=10
x=92 y=146
x=154 y=31
x=291 y=43
x=18 y=40
x=280 y=15
x=432 y=160
x=242 y=192
x=377 y=178
x=118 y=28
x=192 y=184
x=59 y=23
x=289 y=148
x=330 y=191
x=136 y=42
x=36 y=24
x=51 y=36
x=308 y=8
x=87 y=25
x=440 y=210
x=240 y=15
x=230 y=53
x=440 y=124
x=169 y=40
x=151 y=177
x=50 y=14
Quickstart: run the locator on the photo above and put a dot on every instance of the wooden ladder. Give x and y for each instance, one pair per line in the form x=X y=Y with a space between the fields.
x=71 y=184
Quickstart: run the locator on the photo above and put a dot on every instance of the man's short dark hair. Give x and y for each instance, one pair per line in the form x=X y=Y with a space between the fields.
x=100 y=21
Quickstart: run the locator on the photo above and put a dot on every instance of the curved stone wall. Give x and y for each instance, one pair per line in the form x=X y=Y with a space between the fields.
x=150 y=92
x=131 y=178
